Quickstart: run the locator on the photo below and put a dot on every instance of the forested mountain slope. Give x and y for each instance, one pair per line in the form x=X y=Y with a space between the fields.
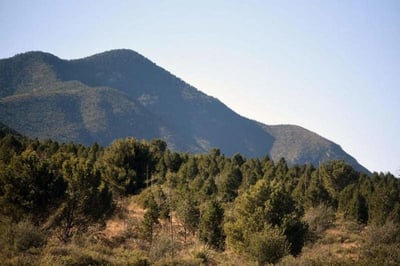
x=120 y=93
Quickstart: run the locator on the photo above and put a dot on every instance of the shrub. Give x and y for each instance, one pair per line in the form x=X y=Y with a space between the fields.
x=203 y=255
x=319 y=218
x=72 y=255
x=382 y=245
x=131 y=257
x=382 y=254
x=162 y=247
x=268 y=246
x=28 y=236
x=388 y=233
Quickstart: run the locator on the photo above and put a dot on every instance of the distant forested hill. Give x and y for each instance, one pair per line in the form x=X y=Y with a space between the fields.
x=121 y=93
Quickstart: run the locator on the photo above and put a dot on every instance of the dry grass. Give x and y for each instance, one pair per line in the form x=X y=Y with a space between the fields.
x=118 y=243
x=339 y=244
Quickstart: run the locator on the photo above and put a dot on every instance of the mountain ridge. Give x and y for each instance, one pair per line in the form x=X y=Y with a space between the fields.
x=120 y=93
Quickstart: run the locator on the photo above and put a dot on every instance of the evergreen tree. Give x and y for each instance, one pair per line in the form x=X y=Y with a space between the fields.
x=262 y=206
x=127 y=165
x=28 y=186
x=336 y=175
x=87 y=199
x=188 y=212
x=353 y=204
x=210 y=227
x=230 y=182
x=150 y=219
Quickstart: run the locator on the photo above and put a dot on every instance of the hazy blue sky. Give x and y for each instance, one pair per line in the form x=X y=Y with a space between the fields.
x=330 y=66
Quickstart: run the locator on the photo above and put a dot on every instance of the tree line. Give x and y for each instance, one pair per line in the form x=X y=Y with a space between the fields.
x=253 y=206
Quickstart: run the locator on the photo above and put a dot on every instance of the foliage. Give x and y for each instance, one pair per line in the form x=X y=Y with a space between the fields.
x=127 y=165
x=87 y=199
x=258 y=208
x=268 y=246
x=28 y=186
x=27 y=235
x=319 y=219
x=150 y=218
x=188 y=212
x=382 y=244
x=210 y=227
x=353 y=204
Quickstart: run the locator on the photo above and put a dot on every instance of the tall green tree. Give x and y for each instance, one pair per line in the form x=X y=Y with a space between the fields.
x=353 y=204
x=27 y=185
x=230 y=181
x=211 y=227
x=188 y=212
x=262 y=206
x=150 y=219
x=87 y=199
x=336 y=175
x=127 y=165
x=384 y=200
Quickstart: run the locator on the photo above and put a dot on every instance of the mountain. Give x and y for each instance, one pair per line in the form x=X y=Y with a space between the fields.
x=4 y=130
x=121 y=93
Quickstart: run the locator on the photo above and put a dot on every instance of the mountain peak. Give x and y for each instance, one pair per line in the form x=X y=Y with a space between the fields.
x=34 y=55
x=120 y=93
x=116 y=54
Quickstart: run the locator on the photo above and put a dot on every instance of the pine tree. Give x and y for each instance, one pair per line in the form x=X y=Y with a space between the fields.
x=210 y=227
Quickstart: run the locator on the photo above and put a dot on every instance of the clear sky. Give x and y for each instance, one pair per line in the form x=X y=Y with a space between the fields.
x=330 y=66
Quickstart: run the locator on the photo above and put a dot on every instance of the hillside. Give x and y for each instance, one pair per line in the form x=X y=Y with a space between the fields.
x=120 y=93
x=4 y=130
x=138 y=203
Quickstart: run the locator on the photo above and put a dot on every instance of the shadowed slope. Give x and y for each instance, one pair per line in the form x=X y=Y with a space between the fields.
x=121 y=93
